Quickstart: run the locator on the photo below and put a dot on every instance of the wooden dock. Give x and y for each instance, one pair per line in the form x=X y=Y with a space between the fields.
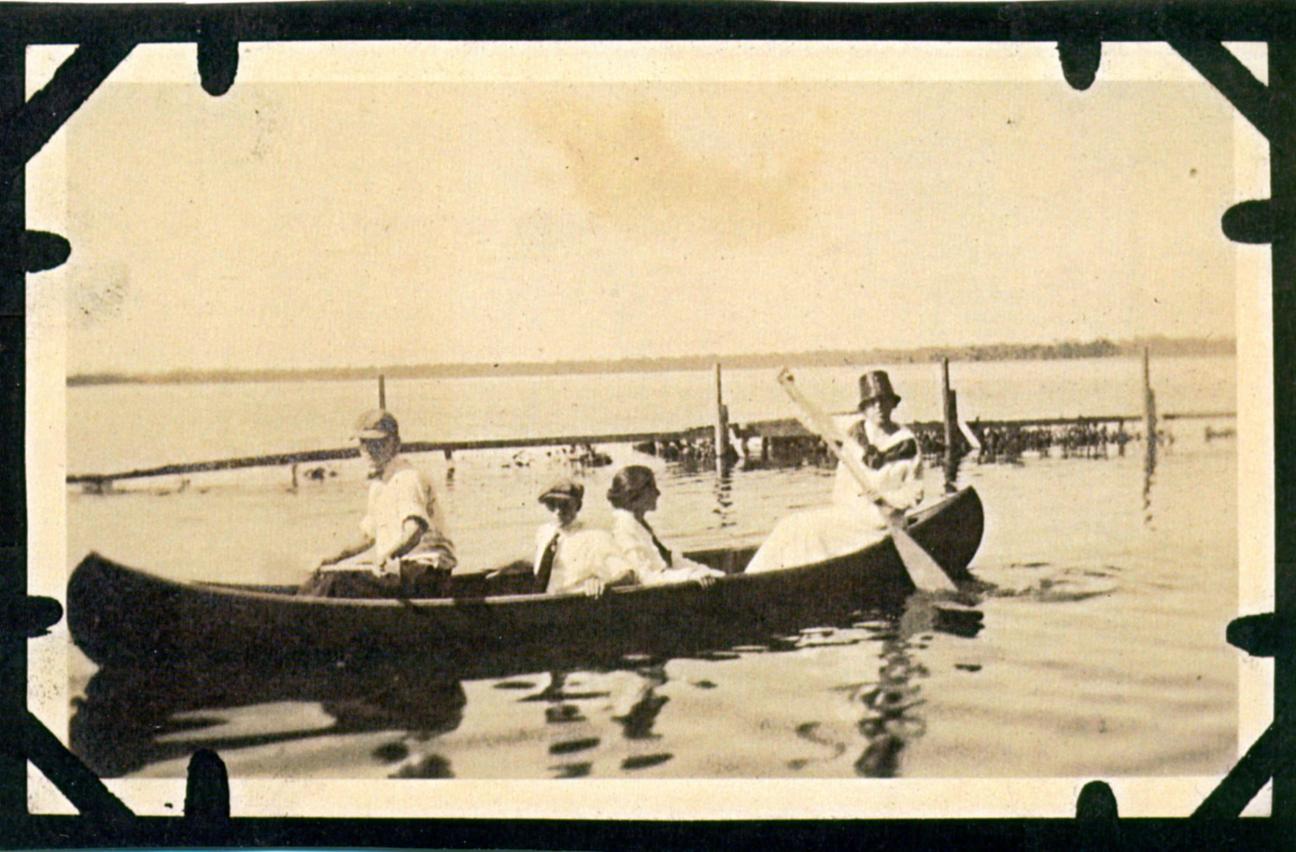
x=723 y=442
x=765 y=431
x=341 y=453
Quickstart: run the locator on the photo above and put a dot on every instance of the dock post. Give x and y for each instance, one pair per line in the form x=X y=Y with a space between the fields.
x=950 y=405
x=382 y=391
x=721 y=424
x=1149 y=409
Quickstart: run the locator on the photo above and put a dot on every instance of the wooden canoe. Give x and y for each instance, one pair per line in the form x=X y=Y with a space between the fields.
x=122 y=615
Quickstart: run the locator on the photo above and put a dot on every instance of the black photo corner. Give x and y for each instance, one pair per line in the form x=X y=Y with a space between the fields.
x=105 y=34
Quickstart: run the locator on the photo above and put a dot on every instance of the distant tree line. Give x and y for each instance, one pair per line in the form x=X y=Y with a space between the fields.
x=1100 y=348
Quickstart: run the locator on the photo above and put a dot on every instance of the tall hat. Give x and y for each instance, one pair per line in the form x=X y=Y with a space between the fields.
x=876 y=384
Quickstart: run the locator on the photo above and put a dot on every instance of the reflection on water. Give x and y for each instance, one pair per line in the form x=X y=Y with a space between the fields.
x=893 y=706
x=596 y=720
x=1044 y=582
x=1149 y=475
x=130 y=718
x=724 y=498
x=583 y=707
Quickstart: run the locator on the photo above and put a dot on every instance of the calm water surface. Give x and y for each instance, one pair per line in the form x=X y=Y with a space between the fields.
x=1100 y=653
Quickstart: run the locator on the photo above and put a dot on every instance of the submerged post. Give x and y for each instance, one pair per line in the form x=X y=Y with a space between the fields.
x=721 y=424
x=382 y=391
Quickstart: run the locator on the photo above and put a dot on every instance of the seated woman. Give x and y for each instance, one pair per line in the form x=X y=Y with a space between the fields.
x=893 y=464
x=570 y=558
x=633 y=494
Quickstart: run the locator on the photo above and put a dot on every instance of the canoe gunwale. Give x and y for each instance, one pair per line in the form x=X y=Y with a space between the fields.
x=220 y=590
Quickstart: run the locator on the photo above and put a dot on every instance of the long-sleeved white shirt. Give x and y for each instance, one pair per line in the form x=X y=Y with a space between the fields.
x=650 y=567
x=894 y=470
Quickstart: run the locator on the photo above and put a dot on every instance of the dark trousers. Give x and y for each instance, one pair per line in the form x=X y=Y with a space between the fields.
x=415 y=580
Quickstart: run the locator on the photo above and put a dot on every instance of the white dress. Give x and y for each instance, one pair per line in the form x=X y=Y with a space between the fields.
x=641 y=551
x=893 y=463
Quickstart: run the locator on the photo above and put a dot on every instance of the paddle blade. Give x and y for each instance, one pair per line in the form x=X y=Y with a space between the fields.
x=923 y=570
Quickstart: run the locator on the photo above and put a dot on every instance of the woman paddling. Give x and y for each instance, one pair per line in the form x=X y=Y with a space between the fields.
x=633 y=494
x=855 y=520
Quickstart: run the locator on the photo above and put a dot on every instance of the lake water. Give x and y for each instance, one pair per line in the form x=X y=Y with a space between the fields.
x=1101 y=651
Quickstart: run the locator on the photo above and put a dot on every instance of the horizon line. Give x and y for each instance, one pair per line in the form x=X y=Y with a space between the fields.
x=1059 y=349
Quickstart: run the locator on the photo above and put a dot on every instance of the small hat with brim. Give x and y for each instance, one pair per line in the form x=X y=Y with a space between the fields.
x=374 y=425
x=563 y=490
x=875 y=385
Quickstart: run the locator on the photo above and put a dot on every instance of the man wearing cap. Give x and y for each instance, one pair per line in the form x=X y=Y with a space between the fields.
x=893 y=464
x=403 y=548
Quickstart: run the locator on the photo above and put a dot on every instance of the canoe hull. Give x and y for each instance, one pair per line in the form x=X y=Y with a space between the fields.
x=119 y=614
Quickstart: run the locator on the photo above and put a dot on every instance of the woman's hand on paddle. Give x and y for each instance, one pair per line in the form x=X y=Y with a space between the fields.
x=706 y=581
x=593 y=588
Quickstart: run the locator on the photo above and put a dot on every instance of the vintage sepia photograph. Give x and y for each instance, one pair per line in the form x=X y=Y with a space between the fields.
x=421 y=425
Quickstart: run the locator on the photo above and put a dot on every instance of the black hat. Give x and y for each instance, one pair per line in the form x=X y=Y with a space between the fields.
x=874 y=385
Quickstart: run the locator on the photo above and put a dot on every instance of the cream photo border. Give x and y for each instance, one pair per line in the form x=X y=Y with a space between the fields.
x=46 y=450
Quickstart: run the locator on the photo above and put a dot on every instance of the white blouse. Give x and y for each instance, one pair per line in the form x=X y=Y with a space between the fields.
x=582 y=554
x=896 y=473
x=637 y=546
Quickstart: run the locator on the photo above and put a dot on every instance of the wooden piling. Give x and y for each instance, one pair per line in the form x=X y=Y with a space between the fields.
x=953 y=435
x=949 y=401
x=950 y=414
x=1149 y=407
x=721 y=423
x=382 y=391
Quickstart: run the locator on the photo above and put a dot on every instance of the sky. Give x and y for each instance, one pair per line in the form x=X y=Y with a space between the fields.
x=334 y=224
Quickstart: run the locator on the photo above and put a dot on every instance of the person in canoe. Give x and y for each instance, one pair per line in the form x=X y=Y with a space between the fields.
x=633 y=494
x=893 y=463
x=403 y=549
x=571 y=558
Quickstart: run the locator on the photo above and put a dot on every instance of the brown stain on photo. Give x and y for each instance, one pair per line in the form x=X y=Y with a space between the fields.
x=631 y=167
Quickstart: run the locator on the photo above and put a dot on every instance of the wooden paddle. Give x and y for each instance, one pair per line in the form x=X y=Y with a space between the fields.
x=923 y=570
